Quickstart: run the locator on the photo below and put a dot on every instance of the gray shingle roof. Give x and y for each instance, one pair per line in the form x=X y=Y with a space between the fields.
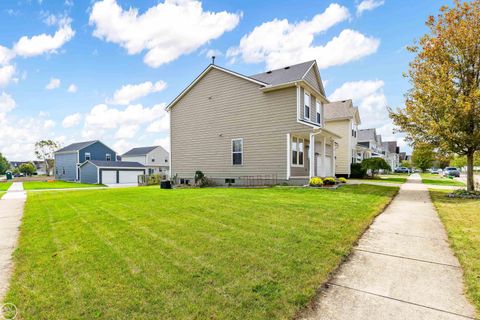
x=76 y=146
x=366 y=134
x=117 y=164
x=139 y=151
x=339 y=109
x=284 y=75
x=391 y=146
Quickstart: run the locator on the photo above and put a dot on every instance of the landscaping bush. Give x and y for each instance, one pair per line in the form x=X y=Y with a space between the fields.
x=375 y=165
x=315 y=182
x=329 y=181
x=342 y=180
x=357 y=171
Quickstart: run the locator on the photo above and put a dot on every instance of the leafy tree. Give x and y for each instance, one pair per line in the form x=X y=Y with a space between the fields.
x=406 y=164
x=375 y=165
x=27 y=169
x=461 y=161
x=4 y=165
x=423 y=156
x=443 y=106
x=44 y=150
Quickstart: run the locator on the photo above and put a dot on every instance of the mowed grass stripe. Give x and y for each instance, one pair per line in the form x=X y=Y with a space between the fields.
x=146 y=253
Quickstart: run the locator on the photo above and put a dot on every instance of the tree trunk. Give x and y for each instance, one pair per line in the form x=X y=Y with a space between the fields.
x=470 y=180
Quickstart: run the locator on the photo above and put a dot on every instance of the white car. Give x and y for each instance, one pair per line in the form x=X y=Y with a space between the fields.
x=436 y=171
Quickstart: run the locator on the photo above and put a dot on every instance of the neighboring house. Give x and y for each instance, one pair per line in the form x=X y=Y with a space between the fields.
x=343 y=118
x=94 y=162
x=368 y=138
x=391 y=151
x=234 y=127
x=41 y=167
x=155 y=158
x=111 y=172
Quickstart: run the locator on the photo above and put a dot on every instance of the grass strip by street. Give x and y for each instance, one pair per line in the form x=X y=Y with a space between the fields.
x=5 y=185
x=40 y=185
x=461 y=218
x=147 y=253
x=389 y=178
x=436 y=179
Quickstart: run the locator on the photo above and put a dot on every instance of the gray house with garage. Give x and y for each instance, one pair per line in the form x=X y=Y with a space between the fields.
x=75 y=162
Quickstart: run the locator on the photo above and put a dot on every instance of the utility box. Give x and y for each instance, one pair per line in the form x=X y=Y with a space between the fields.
x=9 y=175
x=166 y=184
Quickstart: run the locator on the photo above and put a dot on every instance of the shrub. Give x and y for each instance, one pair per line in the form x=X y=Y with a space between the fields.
x=375 y=164
x=315 y=182
x=357 y=171
x=329 y=181
x=342 y=180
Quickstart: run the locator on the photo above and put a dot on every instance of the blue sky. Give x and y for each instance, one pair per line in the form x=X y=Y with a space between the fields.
x=96 y=48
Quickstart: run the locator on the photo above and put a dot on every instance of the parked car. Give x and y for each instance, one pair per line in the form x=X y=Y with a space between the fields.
x=436 y=171
x=401 y=170
x=451 y=171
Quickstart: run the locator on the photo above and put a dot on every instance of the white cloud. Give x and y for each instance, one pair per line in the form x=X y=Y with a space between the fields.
x=6 y=75
x=49 y=124
x=127 y=131
x=131 y=92
x=160 y=125
x=44 y=43
x=72 y=88
x=153 y=30
x=121 y=146
x=5 y=55
x=367 y=5
x=164 y=142
x=7 y=103
x=280 y=43
x=213 y=52
x=72 y=120
x=53 y=84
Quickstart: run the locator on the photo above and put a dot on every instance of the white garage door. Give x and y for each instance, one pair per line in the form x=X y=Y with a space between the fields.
x=129 y=176
x=109 y=177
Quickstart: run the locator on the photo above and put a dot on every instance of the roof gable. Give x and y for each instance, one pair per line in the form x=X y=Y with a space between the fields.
x=284 y=75
x=140 y=151
x=76 y=146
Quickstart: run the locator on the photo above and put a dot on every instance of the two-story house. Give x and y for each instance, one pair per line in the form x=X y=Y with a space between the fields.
x=234 y=127
x=369 y=139
x=155 y=159
x=392 y=153
x=94 y=162
x=343 y=118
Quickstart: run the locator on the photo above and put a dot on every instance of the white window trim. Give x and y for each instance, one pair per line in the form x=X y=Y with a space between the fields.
x=305 y=93
x=298 y=152
x=318 y=109
x=232 y=152
x=89 y=156
x=108 y=155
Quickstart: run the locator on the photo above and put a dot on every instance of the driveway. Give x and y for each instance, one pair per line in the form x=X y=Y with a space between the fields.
x=402 y=268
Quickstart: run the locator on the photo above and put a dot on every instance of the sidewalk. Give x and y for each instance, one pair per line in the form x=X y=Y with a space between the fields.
x=11 y=211
x=402 y=268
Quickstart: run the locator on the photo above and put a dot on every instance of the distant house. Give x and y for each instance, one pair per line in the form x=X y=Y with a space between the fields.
x=343 y=118
x=234 y=127
x=391 y=152
x=369 y=139
x=75 y=162
x=155 y=158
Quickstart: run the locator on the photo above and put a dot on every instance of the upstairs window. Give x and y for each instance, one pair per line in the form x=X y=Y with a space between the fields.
x=298 y=146
x=354 y=130
x=87 y=156
x=306 y=109
x=319 y=112
x=237 y=151
x=108 y=157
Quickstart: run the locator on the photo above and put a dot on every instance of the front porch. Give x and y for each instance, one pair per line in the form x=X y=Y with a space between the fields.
x=311 y=153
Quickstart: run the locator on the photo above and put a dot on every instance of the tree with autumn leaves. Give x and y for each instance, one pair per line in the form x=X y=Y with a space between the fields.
x=443 y=106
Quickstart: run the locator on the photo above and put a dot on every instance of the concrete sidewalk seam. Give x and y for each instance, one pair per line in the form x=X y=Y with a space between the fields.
x=399 y=300
x=407 y=258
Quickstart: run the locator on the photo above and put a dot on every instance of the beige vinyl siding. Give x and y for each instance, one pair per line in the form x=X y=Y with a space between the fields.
x=343 y=151
x=311 y=78
x=222 y=107
x=313 y=109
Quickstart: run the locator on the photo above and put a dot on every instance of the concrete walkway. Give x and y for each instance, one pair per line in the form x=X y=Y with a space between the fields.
x=402 y=268
x=11 y=211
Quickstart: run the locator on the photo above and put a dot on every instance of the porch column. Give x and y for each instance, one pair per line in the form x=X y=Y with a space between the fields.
x=312 y=155
x=324 y=173
x=333 y=158
x=289 y=154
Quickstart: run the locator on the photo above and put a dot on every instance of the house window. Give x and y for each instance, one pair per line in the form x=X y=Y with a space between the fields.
x=108 y=157
x=319 y=112
x=229 y=181
x=237 y=151
x=63 y=171
x=306 y=110
x=151 y=171
x=298 y=147
x=87 y=156
x=153 y=159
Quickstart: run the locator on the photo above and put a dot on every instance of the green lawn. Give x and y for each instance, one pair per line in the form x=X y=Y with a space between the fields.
x=147 y=253
x=37 y=185
x=437 y=179
x=5 y=185
x=461 y=218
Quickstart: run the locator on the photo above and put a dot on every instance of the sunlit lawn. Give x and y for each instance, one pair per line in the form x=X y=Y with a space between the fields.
x=438 y=179
x=147 y=253
x=36 y=185
x=5 y=185
x=461 y=218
